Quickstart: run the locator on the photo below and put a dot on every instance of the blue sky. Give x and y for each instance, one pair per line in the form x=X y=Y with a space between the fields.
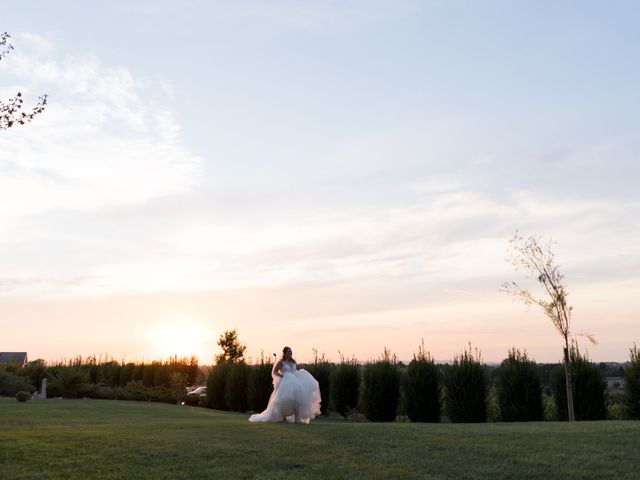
x=330 y=175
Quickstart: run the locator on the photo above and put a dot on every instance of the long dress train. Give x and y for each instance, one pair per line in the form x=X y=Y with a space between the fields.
x=296 y=390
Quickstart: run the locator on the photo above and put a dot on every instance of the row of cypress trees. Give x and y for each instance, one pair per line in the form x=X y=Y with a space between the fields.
x=461 y=389
x=428 y=391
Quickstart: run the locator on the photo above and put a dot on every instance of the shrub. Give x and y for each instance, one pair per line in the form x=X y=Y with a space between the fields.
x=70 y=382
x=216 y=386
x=12 y=367
x=136 y=390
x=236 y=387
x=137 y=374
x=345 y=386
x=589 y=389
x=632 y=384
x=126 y=374
x=193 y=399
x=108 y=373
x=148 y=374
x=161 y=374
x=163 y=395
x=465 y=385
x=321 y=371
x=23 y=396
x=519 y=389
x=616 y=409
x=260 y=386
x=493 y=409
x=11 y=384
x=36 y=370
x=178 y=383
x=550 y=409
x=104 y=392
x=422 y=389
x=381 y=389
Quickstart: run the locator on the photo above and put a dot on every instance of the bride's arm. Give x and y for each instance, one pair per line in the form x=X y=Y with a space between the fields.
x=276 y=369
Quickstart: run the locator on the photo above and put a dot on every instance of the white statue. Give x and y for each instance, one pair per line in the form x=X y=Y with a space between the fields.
x=43 y=390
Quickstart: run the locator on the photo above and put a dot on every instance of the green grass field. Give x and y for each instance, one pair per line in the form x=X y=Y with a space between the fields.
x=99 y=439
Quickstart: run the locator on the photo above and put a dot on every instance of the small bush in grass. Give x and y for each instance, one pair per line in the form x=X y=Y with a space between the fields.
x=518 y=389
x=381 y=389
x=216 y=382
x=23 y=396
x=321 y=371
x=345 y=386
x=589 y=389
x=422 y=388
x=465 y=385
x=260 y=386
x=236 y=387
x=632 y=384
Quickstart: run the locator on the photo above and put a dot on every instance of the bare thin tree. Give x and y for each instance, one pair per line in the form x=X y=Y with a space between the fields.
x=10 y=111
x=537 y=257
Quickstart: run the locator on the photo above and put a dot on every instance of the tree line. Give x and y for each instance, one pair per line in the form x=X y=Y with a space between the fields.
x=466 y=390
x=160 y=380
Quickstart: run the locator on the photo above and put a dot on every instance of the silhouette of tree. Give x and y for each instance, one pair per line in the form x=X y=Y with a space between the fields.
x=10 y=110
x=232 y=350
x=531 y=254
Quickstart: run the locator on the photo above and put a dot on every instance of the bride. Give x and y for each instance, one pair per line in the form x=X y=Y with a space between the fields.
x=296 y=394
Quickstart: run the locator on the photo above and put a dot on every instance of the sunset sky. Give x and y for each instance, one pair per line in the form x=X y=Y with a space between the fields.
x=337 y=175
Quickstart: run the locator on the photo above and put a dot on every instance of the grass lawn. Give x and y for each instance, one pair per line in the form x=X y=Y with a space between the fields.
x=101 y=439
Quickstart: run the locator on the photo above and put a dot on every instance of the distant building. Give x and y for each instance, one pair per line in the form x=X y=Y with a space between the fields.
x=7 y=358
x=615 y=383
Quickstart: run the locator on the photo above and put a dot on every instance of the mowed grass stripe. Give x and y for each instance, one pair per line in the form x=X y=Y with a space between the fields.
x=76 y=439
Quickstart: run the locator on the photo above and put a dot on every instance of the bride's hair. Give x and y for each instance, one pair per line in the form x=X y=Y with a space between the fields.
x=284 y=350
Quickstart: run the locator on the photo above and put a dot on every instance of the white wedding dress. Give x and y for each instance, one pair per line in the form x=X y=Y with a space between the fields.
x=296 y=392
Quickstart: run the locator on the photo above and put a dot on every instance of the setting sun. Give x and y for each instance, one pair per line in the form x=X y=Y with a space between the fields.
x=179 y=337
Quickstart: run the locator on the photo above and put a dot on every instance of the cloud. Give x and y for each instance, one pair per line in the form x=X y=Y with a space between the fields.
x=102 y=141
x=105 y=168
x=449 y=241
x=320 y=17
x=34 y=43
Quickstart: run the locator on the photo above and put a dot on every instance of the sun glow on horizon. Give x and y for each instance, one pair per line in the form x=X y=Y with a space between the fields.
x=181 y=337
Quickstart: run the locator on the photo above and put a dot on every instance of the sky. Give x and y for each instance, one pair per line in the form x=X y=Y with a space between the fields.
x=336 y=176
